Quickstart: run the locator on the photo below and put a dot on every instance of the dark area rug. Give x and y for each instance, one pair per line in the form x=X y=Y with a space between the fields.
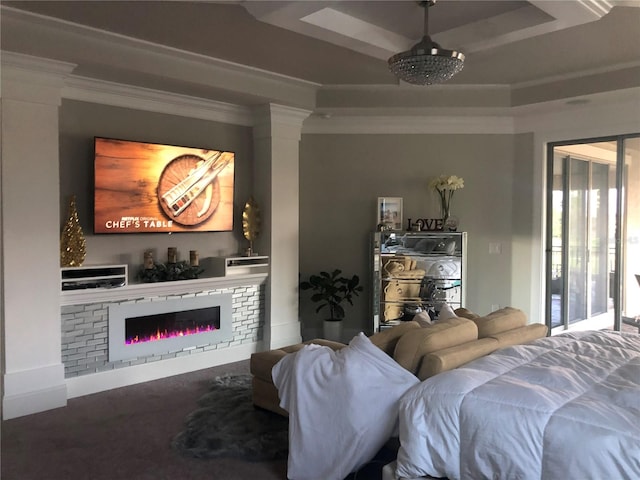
x=226 y=424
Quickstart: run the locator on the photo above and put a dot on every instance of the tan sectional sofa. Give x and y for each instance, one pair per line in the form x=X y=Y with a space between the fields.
x=424 y=351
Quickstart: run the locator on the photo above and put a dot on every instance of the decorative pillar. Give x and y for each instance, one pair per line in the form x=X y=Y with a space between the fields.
x=276 y=134
x=33 y=374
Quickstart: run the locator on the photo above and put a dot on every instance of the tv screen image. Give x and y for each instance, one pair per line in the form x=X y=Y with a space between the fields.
x=148 y=187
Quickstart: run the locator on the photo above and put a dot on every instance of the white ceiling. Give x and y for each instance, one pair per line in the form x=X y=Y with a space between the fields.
x=347 y=43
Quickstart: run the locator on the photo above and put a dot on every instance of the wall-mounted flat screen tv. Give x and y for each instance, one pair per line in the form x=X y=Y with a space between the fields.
x=149 y=187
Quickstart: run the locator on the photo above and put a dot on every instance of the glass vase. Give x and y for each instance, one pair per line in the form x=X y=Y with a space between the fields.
x=444 y=212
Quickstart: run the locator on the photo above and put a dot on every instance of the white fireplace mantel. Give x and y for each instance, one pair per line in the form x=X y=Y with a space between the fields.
x=146 y=290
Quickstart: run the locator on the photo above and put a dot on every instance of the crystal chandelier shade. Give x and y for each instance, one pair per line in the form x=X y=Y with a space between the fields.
x=426 y=63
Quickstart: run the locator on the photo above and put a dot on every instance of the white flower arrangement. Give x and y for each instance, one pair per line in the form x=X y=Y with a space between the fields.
x=443 y=182
x=445 y=186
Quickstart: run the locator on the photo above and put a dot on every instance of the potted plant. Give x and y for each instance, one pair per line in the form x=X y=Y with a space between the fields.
x=330 y=291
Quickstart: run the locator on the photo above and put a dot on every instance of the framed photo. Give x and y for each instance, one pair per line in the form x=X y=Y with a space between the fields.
x=389 y=212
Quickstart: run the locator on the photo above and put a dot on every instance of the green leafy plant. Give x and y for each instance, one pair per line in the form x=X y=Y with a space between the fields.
x=331 y=289
x=169 y=272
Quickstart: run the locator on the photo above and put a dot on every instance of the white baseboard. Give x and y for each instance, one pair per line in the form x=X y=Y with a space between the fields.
x=122 y=377
x=34 y=390
x=28 y=403
x=285 y=334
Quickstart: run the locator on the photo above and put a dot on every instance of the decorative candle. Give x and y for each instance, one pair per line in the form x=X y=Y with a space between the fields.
x=193 y=258
x=172 y=255
x=148 y=260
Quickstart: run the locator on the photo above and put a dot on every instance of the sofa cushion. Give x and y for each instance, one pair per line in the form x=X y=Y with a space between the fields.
x=465 y=313
x=453 y=357
x=520 y=335
x=499 y=321
x=446 y=312
x=387 y=339
x=416 y=343
x=423 y=319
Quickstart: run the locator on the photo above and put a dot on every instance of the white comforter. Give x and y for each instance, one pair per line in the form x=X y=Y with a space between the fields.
x=342 y=406
x=562 y=407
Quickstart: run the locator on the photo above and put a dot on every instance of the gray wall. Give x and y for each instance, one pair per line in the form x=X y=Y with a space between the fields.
x=341 y=177
x=81 y=121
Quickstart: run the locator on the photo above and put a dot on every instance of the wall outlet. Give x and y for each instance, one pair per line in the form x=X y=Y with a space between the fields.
x=495 y=248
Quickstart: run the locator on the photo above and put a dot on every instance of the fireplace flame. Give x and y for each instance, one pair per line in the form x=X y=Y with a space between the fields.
x=164 y=334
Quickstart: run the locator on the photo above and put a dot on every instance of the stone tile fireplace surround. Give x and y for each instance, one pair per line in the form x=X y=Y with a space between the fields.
x=85 y=327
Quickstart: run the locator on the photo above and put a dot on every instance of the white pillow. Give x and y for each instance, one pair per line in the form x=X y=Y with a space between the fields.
x=446 y=312
x=343 y=406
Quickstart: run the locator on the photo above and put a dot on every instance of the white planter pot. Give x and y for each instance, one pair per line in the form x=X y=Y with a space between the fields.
x=332 y=330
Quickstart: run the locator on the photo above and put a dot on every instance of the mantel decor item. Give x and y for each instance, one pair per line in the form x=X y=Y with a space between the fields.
x=427 y=62
x=173 y=270
x=331 y=289
x=389 y=213
x=445 y=186
x=73 y=249
x=251 y=224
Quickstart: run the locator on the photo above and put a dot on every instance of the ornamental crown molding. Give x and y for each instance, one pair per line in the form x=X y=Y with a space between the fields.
x=168 y=66
x=33 y=79
x=29 y=63
x=140 y=98
x=278 y=120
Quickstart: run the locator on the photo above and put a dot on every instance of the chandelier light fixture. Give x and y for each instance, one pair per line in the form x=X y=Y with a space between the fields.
x=426 y=63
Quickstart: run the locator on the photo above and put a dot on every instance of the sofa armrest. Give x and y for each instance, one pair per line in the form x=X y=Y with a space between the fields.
x=453 y=357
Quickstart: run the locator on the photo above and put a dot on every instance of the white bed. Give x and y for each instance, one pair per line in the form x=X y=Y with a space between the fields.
x=561 y=407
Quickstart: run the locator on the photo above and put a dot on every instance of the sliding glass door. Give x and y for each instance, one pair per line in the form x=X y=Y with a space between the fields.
x=592 y=188
x=629 y=261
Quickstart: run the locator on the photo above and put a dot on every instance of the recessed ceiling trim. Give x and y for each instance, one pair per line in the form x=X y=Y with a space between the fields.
x=408 y=125
x=573 y=75
x=357 y=29
x=575 y=13
x=325 y=23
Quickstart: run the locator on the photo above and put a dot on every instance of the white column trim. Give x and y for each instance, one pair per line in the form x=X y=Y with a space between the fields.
x=31 y=95
x=280 y=120
x=277 y=132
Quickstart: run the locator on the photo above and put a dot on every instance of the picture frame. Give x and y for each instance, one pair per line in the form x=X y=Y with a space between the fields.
x=389 y=213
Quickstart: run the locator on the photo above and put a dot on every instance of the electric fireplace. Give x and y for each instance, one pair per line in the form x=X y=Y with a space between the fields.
x=151 y=328
x=154 y=328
